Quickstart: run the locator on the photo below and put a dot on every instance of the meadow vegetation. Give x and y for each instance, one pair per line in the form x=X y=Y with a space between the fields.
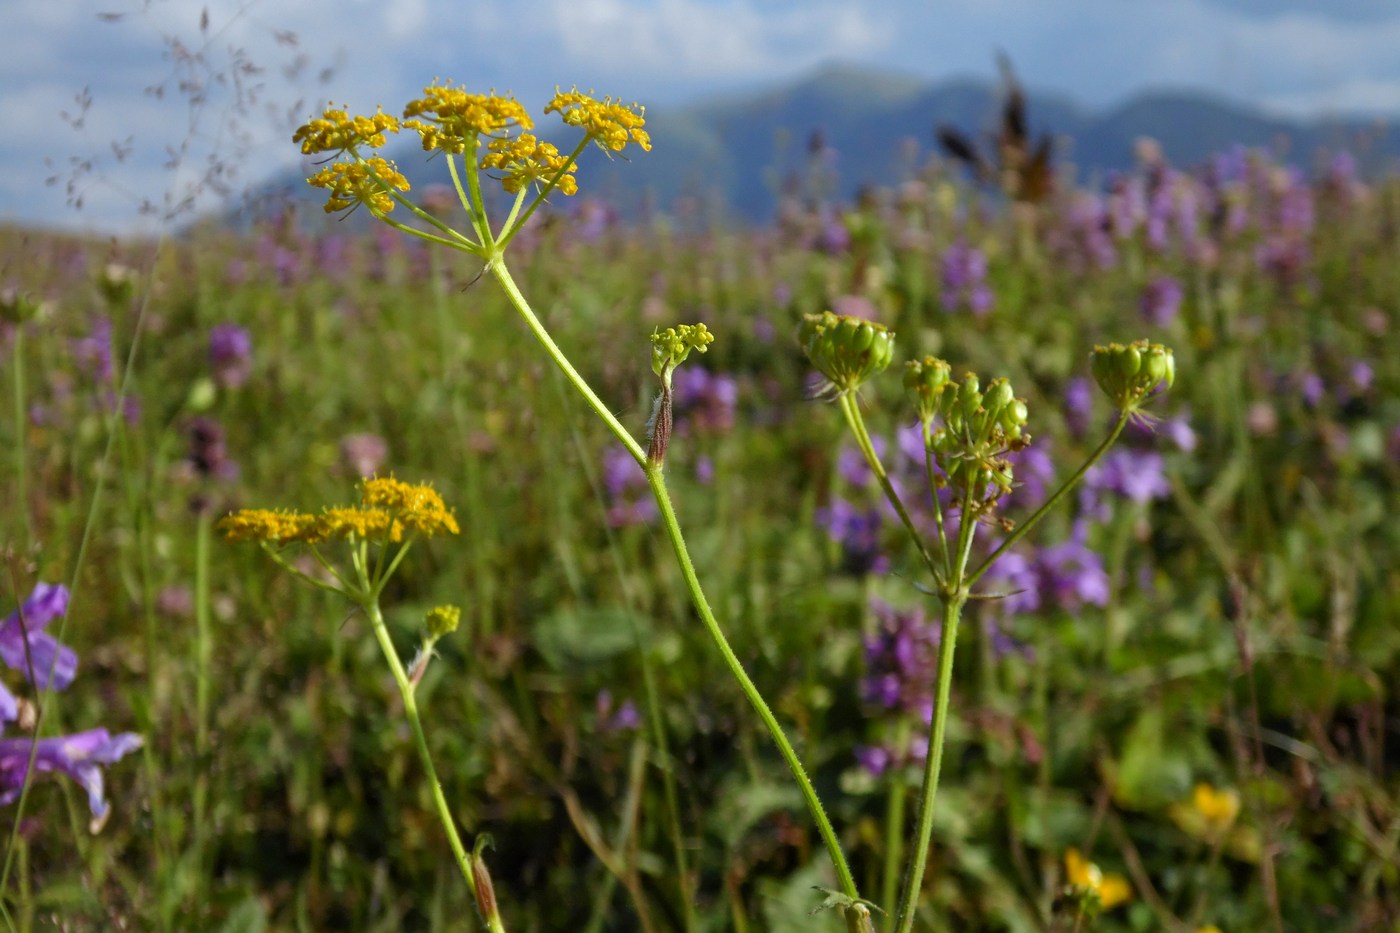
x=1176 y=713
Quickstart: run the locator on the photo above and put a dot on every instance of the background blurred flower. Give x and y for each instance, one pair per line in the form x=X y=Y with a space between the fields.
x=230 y=355
x=964 y=278
x=46 y=603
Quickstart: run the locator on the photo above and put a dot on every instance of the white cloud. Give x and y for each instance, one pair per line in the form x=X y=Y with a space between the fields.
x=1296 y=56
x=694 y=39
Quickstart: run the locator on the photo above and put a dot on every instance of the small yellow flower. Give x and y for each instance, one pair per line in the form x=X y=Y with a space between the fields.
x=1209 y=814
x=525 y=159
x=418 y=507
x=1219 y=808
x=355 y=522
x=454 y=119
x=1111 y=889
x=337 y=131
x=1210 y=928
x=368 y=182
x=611 y=123
x=274 y=527
x=443 y=620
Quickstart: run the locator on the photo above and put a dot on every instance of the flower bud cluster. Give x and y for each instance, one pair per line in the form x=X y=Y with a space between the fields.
x=1129 y=373
x=671 y=346
x=846 y=350
x=976 y=427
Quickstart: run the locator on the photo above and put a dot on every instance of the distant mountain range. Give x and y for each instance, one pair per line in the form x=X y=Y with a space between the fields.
x=733 y=155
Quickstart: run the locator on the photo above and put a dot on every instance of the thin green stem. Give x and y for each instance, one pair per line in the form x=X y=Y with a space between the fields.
x=203 y=662
x=914 y=877
x=1024 y=527
x=655 y=477
x=851 y=409
x=894 y=823
x=498 y=269
x=410 y=708
x=510 y=229
x=21 y=461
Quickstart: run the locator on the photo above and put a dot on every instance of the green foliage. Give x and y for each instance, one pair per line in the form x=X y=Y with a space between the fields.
x=1247 y=639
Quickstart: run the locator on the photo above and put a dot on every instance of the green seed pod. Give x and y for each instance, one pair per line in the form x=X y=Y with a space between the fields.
x=1014 y=416
x=969 y=397
x=925 y=380
x=1129 y=374
x=846 y=350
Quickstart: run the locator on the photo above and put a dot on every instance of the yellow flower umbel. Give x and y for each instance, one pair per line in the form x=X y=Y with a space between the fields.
x=454 y=120
x=390 y=515
x=525 y=159
x=609 y=123
x=369 y=182
x=336 y=131
x=460 y=125
x=1087 y=881
x=390 y=512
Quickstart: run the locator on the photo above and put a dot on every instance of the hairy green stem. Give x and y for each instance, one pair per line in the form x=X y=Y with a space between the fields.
x=410 y=709
x=854 y=922
x=498 y=269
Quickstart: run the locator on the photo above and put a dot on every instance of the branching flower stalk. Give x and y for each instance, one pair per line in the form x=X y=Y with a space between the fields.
x=460 y=125
x=967 y=433
x=378 y=533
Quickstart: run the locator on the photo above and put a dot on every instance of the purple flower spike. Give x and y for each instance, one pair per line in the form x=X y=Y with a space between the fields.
x=1161 y=300
x=46 y=603
x=964 y=274
x=80 y=756
x=230 y=354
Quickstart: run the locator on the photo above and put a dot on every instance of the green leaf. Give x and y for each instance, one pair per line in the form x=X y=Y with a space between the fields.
x=247 y=917
x=575 y=638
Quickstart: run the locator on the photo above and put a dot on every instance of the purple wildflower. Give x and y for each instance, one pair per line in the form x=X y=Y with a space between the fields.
x=964 y=272
x=1312 y=388
x=1360 y=377
x=1136 y=475
x=22 y=643
x=875 y=759
x=1064 y=576
x=94 y=352
x=901 y=661
x=1079 y=405
x=858 y=532
x=704 y=400
x=46 y=603
x=704 y=469
x=230 y=354
x=852 y=467
x=1072 y=575
x=208 y=451
x=1161 y=300
x=80 y=756
x=1034 y=471
x=610 y=718
x=625 y=482
x=364 y=454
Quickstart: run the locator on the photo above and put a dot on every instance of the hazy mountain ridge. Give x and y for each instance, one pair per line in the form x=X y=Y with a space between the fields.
x=735 y=153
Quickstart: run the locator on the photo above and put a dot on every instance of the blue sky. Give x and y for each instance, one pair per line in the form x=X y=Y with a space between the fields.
x=1296 y=57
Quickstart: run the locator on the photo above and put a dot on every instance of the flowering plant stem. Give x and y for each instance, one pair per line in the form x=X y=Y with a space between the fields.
x=410 y=709
x=856 y=916
x=954 y=590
